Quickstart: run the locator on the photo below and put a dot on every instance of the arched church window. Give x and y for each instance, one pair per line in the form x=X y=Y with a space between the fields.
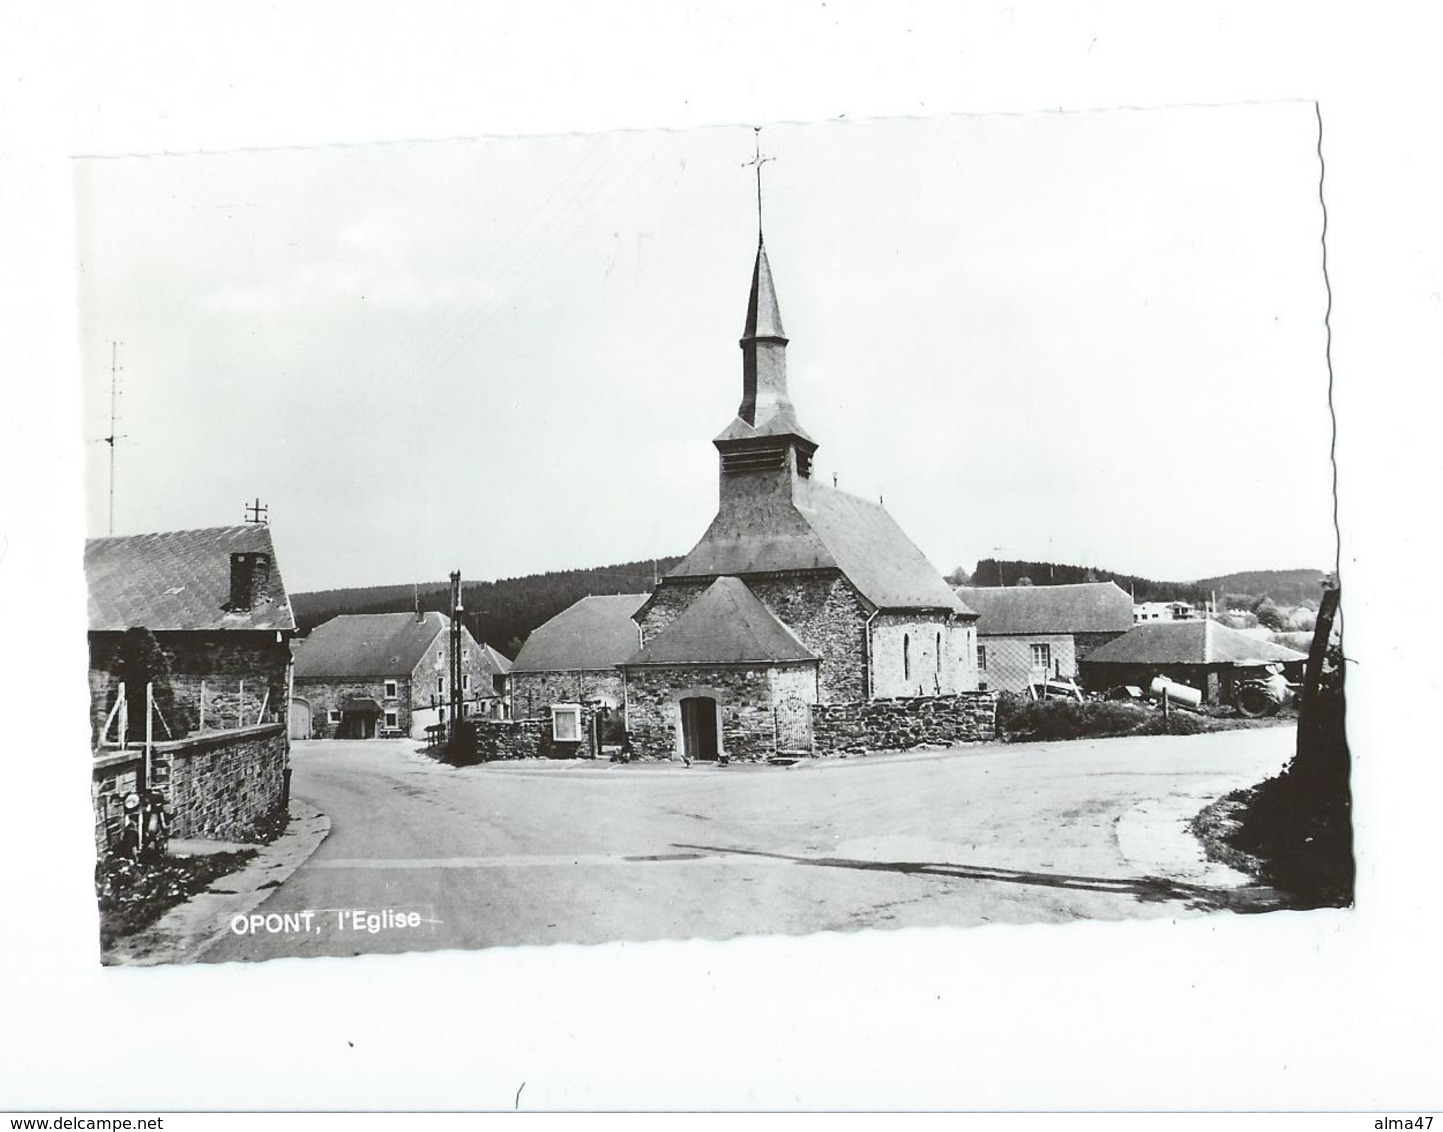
x=939 y=652
x=906 y=656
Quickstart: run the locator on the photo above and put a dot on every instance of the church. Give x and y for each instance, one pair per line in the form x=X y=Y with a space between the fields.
x=801 y=604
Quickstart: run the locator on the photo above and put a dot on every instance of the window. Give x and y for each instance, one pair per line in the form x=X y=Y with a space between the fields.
x=465 y=681
x=906 y=657
x=391 y=719
x=390 y=689
x=1042 y=657
x=939 y=652
x=440 y=685
x=334 y=715
x=566 y=723
x=981 y=658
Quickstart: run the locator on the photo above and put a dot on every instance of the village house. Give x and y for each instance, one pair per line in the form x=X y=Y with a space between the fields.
x=797 y=598
x=1147 y=611
x=571 y=661
x=1027 y=634
x=212 y=604
x=372 y=675
x=1201 y=654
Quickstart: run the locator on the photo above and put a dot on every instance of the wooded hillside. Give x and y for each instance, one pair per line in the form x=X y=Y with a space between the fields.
x=499 y=613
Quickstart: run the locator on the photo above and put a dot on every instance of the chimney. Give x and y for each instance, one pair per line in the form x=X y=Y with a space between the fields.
x=250 y=571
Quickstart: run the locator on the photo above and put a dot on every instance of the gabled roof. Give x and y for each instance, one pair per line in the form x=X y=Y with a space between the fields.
x=180 y=580
x=1085 y=607
x=369 y=644
x=826 y=529
x=1189 y=642
x=727 y=624
x=493 y=660
x=595 y=633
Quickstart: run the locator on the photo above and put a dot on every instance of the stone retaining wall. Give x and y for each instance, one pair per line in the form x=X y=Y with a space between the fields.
x=526 y=739
x=893 y=725
x=219 y=785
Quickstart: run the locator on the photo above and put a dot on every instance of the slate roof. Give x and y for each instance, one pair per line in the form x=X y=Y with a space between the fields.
x=1189 y=642
x=727 y=624
x=180 y=580
x=1085 y=607
x=368 y=644
x=827 y=528
x=595 y=633
x=495 y=661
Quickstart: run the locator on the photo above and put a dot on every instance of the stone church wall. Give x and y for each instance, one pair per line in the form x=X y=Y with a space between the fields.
x=906 y=660
x=822 y=609
x=533 y=693
x=828 y=617
x=759 y=706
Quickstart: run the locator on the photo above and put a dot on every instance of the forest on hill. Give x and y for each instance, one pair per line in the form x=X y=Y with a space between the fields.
x=504 y=612
x=1245 y=589
x=500 y=613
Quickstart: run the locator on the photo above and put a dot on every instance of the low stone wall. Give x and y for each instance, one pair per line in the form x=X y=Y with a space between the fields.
x=527 y=739
x=218 y=784
x=894 y=725
x=222 y=784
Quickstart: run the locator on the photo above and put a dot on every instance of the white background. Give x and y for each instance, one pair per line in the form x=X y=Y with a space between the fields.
x=1289 y=1010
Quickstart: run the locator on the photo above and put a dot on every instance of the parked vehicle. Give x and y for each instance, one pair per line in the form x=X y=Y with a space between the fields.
x=145 y=828
x=1263 y=695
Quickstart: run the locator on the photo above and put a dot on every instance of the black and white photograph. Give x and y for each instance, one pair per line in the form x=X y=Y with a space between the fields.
x=456 y=581
x=654 y=557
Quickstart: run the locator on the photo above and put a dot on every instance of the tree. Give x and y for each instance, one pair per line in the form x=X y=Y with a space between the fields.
x=1271 y=616
x=142 y=661
x=958 y=577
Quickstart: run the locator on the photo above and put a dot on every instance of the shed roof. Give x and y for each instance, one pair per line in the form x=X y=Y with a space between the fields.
x=596 y=632
x=1189 y=642
x=180 y=580
x=369 y=644
x=826 y=528
x=727 y=624
x=1083 y=607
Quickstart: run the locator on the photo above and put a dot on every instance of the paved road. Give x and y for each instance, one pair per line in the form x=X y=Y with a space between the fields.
x=532 y=853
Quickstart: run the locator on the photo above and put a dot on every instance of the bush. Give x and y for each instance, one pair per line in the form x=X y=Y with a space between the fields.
x=1022 y=718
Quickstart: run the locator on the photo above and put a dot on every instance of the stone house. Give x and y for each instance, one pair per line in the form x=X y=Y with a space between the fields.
x=214 y=602
x=1201 y=653
x=798 y=594
x=370 y=675
x=1028 y=633
x=572 y=659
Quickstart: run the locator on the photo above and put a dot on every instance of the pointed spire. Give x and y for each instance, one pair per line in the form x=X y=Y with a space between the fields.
x=764 y=315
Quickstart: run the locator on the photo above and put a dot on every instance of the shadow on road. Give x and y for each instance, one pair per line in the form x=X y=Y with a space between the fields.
x=1249 y=898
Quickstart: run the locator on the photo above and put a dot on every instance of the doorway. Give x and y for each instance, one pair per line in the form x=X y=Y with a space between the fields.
x=699 y=728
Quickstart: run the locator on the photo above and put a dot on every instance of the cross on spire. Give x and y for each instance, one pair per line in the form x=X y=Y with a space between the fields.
x=257 y=512
x=758 y=161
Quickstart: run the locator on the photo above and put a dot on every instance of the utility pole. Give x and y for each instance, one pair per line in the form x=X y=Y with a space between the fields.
x=115 y=370
x=456 y=612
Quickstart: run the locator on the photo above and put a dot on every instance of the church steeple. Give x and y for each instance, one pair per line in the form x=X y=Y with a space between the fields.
x=766 y=436
x=765 y=405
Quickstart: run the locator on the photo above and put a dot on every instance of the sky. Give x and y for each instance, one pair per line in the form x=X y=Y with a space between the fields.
x=1092 y=338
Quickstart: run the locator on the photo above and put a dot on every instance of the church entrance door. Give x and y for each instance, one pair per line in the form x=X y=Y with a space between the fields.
x=698 y=727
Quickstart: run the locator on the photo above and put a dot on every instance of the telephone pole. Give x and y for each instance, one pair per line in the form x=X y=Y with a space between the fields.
x=456 y=613
x=115 y=369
